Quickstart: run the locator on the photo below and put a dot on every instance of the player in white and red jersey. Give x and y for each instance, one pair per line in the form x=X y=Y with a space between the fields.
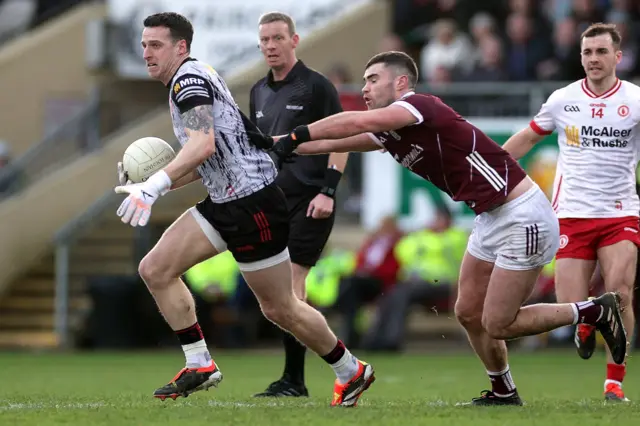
x=595 y=186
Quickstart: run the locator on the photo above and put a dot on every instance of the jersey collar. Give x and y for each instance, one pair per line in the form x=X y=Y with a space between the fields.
x=406 y=95
x=189 y=59
x=295 y=72
x=607 y=94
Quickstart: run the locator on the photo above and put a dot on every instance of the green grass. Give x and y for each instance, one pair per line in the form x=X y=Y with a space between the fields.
x=114 y=389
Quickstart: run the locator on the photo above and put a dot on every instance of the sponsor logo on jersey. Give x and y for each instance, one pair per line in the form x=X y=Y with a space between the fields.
x=594 y=136
x=181 y=84
x=597 y=137
x=412 y=157
x=608 y=131
x=571 y=108
x=573 y=136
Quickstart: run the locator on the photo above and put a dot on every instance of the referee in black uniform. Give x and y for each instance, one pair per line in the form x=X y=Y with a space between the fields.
x=291 y=95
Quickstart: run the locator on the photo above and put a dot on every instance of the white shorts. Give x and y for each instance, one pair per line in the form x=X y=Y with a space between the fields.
x=522 y=234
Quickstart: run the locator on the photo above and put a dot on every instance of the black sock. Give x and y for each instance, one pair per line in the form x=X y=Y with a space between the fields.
x=295 y=353
x=190 y=335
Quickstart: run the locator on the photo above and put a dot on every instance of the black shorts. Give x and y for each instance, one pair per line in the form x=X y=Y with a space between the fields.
x=253 y=228
x=307 y=236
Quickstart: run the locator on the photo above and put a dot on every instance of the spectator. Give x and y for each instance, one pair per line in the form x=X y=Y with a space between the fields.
x=441 y=76
x=429 y=262
x=410 y=17
x=375 y=273
x=490 y=66
x=448 y=49
x=586 y=12
x=391 y=42
x=482 y=26
x=628 y=66
x=565 y=64
x=524 y=52
x=531 y=9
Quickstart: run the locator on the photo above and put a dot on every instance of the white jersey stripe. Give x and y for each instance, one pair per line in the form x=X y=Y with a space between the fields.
x=487 y=175
x=489 y=169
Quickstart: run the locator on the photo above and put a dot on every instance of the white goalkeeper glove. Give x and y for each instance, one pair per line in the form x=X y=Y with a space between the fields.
x=123 y=178
x=136 y=208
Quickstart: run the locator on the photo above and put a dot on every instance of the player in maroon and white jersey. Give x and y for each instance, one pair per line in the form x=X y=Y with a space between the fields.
x=516 y=230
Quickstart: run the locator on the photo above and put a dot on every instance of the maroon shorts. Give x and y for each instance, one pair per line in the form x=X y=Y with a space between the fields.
x=581 y=238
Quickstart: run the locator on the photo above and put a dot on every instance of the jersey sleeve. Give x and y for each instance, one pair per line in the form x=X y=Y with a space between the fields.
x=326 y=99
x=420 y=106
x=190 y=91
x=544 y=123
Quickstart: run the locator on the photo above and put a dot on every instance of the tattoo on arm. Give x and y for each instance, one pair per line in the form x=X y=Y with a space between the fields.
x=199 y=119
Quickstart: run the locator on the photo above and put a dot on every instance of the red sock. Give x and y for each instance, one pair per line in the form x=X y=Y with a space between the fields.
x=616 y=372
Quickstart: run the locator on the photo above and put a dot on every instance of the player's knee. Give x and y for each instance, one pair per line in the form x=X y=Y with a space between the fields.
x=495 y=326
x=152 y=272
x=469 y=315
x=281 y=314
x=626 y=296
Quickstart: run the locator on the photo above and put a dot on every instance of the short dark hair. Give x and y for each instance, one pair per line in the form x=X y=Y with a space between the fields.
x=602 y=28
x=180 y=27
x=270 y=17
x=400 y=60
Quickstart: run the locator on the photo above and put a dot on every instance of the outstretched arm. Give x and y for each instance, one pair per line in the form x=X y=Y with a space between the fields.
x=352 y=123
x=359 y=143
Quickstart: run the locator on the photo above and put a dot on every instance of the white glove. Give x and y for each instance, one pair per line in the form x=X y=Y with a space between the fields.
x=123 y=178
x=136 y=208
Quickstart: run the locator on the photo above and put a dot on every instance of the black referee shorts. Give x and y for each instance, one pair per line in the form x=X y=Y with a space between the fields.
x=254 y=228
x=307 y=236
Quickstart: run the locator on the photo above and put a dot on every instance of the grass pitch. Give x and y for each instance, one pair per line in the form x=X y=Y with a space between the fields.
x=115 y=389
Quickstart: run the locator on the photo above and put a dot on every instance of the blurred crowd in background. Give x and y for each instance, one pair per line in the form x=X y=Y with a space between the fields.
x=509 y=40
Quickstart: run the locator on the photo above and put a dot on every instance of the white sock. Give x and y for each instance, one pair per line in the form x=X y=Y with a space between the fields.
x=346 y=367
x=575 y=313
x=197 y=354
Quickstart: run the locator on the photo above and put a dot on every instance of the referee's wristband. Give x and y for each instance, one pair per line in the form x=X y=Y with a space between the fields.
x=331 y=180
